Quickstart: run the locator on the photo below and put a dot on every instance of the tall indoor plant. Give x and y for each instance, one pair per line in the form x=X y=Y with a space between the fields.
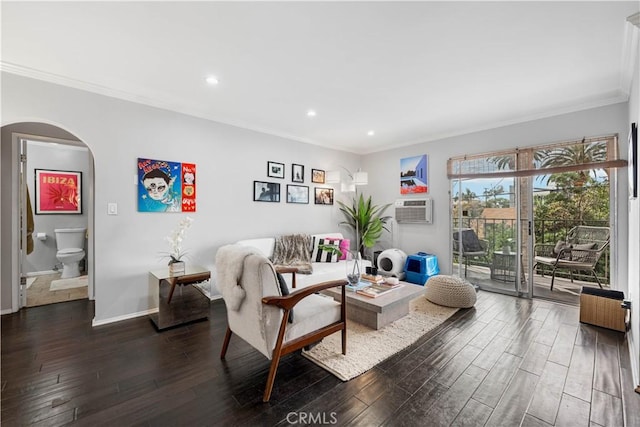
x=365 y=220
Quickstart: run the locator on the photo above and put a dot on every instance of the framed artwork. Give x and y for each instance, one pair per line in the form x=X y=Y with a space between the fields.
x=297 y=173
x=323 y=196
x=633 y=161
x=413 y=175
x=58 y=192
x=317 y=176
x=166 y=186
x=266 y=191
x=275 y=170
x=297 y=194
x=188 y=187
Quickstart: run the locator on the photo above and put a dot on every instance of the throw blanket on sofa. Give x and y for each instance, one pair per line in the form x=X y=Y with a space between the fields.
x=293 y=251
x=229 y=265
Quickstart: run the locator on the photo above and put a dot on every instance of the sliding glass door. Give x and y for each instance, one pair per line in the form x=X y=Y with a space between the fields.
x=490 y=233
x=501 y=214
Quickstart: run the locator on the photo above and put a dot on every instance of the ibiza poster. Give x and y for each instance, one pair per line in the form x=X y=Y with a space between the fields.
x=413 y=175
x=58 y=192
x=166 y=186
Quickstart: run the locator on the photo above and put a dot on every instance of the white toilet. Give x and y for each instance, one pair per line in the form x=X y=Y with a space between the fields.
x=70 y=244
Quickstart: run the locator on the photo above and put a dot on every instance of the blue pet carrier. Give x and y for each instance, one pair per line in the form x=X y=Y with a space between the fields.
x=419 y=267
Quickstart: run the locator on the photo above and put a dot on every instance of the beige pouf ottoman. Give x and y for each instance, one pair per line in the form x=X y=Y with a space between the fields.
x=450 y=291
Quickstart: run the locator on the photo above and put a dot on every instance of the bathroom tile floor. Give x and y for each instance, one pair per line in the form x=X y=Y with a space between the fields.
x=39 y=294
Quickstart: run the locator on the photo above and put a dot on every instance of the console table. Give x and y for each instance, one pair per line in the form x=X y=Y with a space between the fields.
x=180 y=301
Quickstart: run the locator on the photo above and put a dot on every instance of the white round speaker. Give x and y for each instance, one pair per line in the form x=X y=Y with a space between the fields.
x=391 y=262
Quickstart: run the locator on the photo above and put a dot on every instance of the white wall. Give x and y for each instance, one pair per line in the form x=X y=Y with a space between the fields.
x=435 y=238
x=228 y=160
x=634 y=236
x=55 y=157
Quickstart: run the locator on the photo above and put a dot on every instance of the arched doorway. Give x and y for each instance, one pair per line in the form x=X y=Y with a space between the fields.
x=55 y=149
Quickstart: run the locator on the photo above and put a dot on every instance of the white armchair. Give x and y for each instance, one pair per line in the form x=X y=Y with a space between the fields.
x=258 y=313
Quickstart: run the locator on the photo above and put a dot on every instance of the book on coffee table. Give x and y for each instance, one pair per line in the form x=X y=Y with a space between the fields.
x=374 y=291
x=389 y=285
x=360 y=285
x=372 y=279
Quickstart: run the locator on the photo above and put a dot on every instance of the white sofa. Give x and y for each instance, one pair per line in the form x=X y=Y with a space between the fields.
x=322 y=271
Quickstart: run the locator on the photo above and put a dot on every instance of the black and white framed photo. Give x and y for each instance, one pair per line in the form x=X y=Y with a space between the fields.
x=633 y=161
x=323 y=196
x=297 y=173
x=297 y=194
x=275 y=170
x=266 y=191
x=317 y=176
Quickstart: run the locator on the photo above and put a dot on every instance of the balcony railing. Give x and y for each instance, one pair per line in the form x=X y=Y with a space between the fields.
x=500 y=232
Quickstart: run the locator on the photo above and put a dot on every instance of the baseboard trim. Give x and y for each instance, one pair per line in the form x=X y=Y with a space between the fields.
x=138 y=314
x=6 y=311
x=123 y=317
x=41 y=273
x=635 y=371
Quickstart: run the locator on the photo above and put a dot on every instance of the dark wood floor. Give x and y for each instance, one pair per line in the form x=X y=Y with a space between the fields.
x=507 y=361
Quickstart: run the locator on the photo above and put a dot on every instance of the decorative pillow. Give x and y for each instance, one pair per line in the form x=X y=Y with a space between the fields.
x=560 y=246
x=580 y=254
x=344 y=245
x=585 y=246
x=284 y=290
x=322 y=255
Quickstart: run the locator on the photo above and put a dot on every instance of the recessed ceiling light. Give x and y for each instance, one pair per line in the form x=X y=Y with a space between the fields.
x=212 y=80
x=371 y=133
x=311 y=113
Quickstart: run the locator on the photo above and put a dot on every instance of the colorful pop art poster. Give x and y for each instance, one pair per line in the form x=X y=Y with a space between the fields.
x=413 y=175
x=188 y=187
x=165 y=186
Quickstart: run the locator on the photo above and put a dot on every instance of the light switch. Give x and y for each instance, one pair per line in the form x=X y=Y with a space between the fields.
x=112 y=209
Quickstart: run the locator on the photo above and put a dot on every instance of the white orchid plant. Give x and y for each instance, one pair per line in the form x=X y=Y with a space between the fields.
x=175 y=240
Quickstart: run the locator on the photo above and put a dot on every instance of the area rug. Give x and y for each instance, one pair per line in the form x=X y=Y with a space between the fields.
x=367 y=347
x=74 y=282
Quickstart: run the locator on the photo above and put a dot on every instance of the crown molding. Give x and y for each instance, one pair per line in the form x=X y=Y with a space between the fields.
x=552 y=111
x=138 y=99
x=629 y=51
x=631 y=47
x=76 y=84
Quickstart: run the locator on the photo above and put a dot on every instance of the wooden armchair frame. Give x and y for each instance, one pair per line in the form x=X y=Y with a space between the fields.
x=287 y=303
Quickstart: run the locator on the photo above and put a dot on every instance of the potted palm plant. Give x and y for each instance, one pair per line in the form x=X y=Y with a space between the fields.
x=366 y=220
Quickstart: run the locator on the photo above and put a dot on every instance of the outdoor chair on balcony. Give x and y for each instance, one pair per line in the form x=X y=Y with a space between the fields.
x=580 y=252
x=466 y=244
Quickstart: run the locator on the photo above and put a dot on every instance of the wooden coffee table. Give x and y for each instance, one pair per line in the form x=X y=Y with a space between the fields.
x=378 y=312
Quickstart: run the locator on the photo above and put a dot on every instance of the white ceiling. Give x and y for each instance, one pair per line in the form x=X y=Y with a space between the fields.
x=411 y=71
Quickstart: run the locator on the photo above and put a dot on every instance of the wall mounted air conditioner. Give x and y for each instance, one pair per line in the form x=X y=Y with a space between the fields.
x=418 y=211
